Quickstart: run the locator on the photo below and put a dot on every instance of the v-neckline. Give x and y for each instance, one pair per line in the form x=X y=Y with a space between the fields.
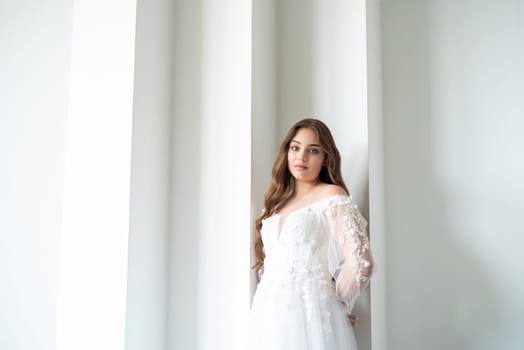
x=280 y=224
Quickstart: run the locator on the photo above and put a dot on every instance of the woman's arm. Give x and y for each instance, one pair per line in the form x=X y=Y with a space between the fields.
x=349 y=254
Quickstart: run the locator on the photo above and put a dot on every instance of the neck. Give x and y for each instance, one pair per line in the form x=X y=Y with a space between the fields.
x=302 y=188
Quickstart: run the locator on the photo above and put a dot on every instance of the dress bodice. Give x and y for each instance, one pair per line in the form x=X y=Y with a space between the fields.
x=299 y=249
x=317 y=261
x=325 y=241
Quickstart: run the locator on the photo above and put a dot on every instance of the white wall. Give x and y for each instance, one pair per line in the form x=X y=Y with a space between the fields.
x=35 y=41
x=452 y=103
x=453 y=107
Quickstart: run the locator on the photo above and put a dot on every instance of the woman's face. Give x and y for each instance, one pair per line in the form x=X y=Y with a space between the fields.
x=305 y=156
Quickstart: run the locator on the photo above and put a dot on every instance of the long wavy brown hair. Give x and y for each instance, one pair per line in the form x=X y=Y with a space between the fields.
x=282 y=186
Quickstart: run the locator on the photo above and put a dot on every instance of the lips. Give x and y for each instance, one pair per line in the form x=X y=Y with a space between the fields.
x=300 y=167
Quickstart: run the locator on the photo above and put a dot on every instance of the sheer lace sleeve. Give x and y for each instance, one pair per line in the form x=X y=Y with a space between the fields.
x=349 y=255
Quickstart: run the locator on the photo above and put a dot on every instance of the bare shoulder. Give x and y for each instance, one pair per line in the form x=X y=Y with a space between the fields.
x=328 y=190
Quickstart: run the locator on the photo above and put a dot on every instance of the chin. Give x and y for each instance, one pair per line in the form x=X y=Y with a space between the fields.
x=302 y=178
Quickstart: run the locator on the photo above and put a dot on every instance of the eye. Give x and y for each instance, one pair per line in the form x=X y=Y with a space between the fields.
x=313 y=150
x=294 y=148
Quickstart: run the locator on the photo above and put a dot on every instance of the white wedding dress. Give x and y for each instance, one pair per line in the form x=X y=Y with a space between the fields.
x=314 y=270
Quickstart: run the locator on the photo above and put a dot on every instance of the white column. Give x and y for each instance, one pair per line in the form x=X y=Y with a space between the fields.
x=264 y=105
x=185 y=217
x=225 y=198
x=377 y=228
x=146 y=314
x=35 y=41
x=92 y=291
x=211 y=221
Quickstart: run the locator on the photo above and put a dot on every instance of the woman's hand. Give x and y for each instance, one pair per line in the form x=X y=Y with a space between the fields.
x=353 y=320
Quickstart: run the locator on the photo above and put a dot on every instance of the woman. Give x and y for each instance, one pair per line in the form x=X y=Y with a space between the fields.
x=312 y=250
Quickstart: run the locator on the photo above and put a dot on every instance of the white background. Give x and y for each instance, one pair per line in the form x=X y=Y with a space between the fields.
x=446 y=134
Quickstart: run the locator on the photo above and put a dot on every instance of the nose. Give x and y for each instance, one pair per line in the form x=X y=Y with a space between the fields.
x=302 y=156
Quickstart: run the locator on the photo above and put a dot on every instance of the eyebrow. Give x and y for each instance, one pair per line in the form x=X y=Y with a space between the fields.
x=312 y=144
